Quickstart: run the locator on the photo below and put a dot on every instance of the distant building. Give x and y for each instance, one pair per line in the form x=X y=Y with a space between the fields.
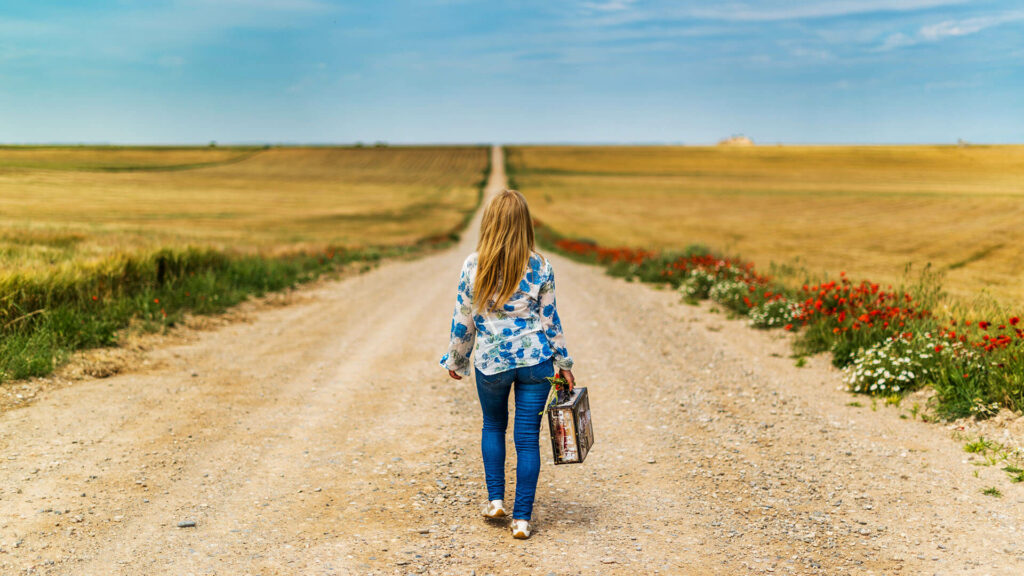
x=736 y=140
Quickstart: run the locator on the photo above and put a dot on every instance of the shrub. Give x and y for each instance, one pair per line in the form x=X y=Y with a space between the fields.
x=894 y=366
x=774 y=313
x=843 y=317
x=697 y=285
x=733 y=294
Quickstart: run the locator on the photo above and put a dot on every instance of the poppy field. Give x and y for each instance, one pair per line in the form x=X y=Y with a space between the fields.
x=891 y=332
x=95 y=238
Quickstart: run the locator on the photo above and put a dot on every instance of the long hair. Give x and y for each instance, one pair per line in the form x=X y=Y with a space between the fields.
x=506 y=241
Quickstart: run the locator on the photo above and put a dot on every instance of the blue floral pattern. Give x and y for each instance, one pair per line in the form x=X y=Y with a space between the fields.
x=523 y=332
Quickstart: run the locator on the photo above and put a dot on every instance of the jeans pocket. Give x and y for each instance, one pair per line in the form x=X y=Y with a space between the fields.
x=493 y=381
x=541 y=372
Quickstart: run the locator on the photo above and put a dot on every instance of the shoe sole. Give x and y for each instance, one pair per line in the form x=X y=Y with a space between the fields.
x=520 y=534
x=497 y=515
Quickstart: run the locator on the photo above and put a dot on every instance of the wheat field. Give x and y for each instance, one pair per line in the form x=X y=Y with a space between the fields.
x=866 y=210
x=68 y=206
x=95 y=240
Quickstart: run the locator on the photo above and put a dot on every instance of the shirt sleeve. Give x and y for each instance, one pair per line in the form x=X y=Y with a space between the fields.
x=551 y=324
x=463 y=331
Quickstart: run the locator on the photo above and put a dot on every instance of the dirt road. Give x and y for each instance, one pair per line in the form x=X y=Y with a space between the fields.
x=322 y=438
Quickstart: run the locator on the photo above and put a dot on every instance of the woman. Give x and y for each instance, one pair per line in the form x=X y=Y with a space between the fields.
x=519 y=344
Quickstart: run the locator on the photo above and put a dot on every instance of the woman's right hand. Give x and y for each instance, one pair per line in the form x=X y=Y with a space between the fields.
x=568 y=377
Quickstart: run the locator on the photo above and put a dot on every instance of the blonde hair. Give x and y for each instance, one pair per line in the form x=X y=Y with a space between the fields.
x=506 y=241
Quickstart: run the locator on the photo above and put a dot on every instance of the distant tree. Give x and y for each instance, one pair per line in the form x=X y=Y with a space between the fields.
x=213 y=143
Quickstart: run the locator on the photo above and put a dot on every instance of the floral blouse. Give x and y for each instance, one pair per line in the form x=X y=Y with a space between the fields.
x=525 y=331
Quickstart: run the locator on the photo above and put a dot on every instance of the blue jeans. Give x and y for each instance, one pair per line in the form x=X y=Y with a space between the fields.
x=531 y=392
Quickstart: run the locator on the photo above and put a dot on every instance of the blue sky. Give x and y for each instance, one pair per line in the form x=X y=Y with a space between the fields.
x=317 y=71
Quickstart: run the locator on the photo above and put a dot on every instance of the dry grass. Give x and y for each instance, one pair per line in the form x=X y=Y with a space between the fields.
x=68 y=206
x=866 y=210
x=114 y=158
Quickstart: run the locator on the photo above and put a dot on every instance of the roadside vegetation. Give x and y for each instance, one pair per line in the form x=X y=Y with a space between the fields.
x=887 y=339
x=95 y=239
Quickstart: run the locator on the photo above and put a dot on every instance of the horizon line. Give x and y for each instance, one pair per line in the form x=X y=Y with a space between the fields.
x=386 y=143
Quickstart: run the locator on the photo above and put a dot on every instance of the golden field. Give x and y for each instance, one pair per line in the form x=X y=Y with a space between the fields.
x=66 y=206
x=866 y=210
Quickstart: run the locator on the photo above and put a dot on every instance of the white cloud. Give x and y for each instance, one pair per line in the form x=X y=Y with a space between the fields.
x=612 y=13
x=790 y=10
x=268 y=5
x=609 y=5
x=896 y=40
x=949 y=29
x=954 y=28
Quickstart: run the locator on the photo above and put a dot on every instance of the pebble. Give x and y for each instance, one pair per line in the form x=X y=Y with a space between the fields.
x=187 y=524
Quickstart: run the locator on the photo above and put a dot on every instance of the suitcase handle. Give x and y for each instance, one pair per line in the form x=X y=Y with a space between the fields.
x=558 y=393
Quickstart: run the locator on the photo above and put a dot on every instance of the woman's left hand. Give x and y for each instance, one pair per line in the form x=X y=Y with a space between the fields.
x=454 y=375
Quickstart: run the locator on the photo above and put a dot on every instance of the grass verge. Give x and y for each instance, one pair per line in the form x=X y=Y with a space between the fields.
x=887 y=339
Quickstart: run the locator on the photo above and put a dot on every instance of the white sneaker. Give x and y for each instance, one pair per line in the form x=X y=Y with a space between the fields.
x=494 y=509
x=520 y=529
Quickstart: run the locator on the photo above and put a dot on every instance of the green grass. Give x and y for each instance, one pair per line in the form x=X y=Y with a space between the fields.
x=50 y=319
x=1015 y=472
x=979 y=446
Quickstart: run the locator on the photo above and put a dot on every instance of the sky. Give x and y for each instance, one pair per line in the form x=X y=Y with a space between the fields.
x=534 y=71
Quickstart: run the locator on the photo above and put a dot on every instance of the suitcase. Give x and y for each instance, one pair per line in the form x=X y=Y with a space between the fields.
x=572 y=432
